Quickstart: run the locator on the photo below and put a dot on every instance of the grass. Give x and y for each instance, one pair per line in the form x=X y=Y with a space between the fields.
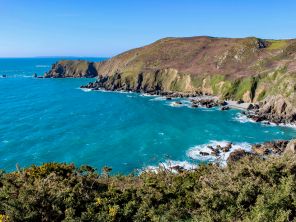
x=277 y=44
x=214 y=81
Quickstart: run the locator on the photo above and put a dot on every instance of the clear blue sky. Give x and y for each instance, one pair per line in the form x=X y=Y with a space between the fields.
x=105 y=28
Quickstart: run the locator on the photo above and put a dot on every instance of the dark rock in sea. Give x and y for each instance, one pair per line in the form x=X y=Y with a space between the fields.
x=4 y=76
x=207 y=103
x=215 y=152
x=223 y=103
x=250 y=107
x=210 y=147
x=168 y=98
x=35 y=75
x=227 y=147
x=204 y=153
x=178 y=102
x=223 y=108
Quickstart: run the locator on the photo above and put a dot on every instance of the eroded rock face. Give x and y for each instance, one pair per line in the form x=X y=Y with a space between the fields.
x=276 y=109
x=69 y=68
x=291 y=147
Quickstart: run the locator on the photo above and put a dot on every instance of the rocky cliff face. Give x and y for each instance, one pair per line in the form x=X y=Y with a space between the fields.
x=69 y=68
x=250 y=69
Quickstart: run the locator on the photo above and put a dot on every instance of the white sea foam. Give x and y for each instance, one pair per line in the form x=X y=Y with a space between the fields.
x=158 y=98
x=194 y=152
x=243 y=118
x=85 y=89
x=170 y=165
x=288 y=125
x=184 y=103
x=147 y=95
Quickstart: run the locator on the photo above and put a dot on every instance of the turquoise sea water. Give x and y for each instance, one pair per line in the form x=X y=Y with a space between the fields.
x=45 y=120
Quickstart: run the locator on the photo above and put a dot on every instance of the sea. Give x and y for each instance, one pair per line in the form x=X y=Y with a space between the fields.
x=53 y=120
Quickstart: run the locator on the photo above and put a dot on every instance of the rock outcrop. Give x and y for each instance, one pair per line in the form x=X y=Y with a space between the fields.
x=277 y=109
x=70 y=68
x=270 y=148
x=291 y=147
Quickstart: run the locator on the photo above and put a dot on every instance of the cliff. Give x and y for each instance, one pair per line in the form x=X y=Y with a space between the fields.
x=250 y=69
x=70 y=68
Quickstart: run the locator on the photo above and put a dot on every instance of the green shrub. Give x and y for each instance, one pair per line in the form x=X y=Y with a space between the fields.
x=252 y=189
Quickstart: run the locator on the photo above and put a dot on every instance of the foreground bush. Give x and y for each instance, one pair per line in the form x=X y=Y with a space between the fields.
x=249 y=190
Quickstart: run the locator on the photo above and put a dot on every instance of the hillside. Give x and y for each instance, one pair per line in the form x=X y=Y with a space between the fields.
x=250 y=69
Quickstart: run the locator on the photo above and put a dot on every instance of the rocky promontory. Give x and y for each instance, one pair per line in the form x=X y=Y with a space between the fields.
x=73 y=69
x=253 y=70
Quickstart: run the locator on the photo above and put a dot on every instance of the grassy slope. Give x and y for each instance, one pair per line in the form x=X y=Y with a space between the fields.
x=230 y=68
x=248 y=190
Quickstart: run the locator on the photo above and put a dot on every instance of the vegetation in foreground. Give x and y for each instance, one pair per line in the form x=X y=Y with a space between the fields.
x=251 y=189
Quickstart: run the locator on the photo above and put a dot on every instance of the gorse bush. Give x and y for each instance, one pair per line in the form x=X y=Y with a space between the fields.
x=251 y=189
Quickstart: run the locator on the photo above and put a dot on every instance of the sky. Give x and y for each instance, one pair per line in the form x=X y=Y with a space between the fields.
x=32 y=28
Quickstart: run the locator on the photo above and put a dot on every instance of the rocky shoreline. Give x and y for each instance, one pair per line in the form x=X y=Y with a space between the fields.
x=263 y=150
x=268 y=112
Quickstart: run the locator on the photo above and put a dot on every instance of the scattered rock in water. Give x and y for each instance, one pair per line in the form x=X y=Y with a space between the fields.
x=207 y=103
x=224 y=108
x=168 y=98
x=35 y=75
x=227 y=147
x=250 y=107
x=4 y=76
x=176 y=103
x=223 y=103
x=215 y=152
x=204 y=153
x=210 y=147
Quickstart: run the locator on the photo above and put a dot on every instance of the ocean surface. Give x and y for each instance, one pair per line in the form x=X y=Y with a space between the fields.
x=44 y=120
